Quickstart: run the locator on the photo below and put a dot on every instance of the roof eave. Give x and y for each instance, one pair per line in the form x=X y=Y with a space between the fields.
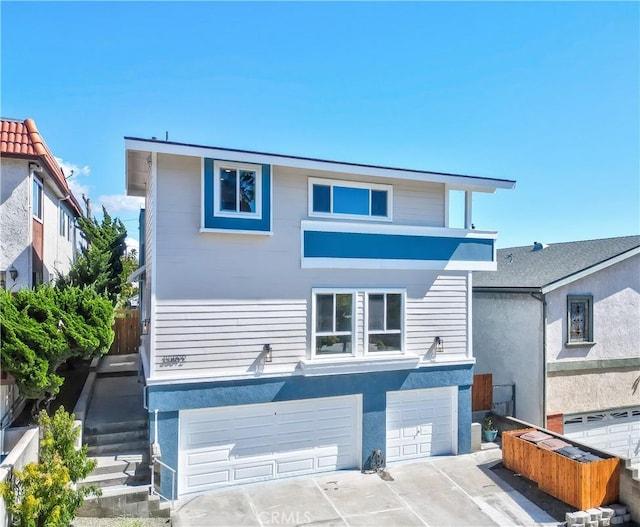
x=474 y=183
x=506 y=289
x=583 y=273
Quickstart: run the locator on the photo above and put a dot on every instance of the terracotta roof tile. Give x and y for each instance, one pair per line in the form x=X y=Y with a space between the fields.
x=19 y=138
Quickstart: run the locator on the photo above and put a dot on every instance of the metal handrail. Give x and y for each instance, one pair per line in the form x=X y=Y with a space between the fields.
x=173 y=480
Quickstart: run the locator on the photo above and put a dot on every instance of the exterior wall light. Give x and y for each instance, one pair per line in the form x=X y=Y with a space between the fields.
x=267 y=351
x=439 y=342
x=13 y=272
x=145 y=326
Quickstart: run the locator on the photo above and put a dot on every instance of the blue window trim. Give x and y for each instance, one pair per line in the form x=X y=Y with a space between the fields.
x=257 y=225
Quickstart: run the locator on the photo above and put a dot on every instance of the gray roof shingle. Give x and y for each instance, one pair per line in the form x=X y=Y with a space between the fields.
x=522 y=267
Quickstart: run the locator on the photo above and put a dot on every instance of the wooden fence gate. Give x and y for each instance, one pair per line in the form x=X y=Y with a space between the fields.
x=127 y=332
x=482 y=392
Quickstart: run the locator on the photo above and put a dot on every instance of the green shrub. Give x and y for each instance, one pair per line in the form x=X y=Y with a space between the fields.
x=43 y=494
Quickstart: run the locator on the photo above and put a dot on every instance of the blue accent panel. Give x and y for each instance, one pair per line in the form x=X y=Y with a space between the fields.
x=241 y=224
x=320 y=244
x=168 y=425
x=374 y=424
x=373 y=387
x=464 y=419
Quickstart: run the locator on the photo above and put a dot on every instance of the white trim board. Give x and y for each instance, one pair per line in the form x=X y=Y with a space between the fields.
x=476 y=184
x=589 y=271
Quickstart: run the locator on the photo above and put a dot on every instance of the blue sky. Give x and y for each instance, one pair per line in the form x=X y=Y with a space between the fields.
x=545 y=93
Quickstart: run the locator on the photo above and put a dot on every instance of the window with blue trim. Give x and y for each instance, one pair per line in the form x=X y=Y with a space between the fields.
x=237 y=197
x=238 y=190
x=349 y=199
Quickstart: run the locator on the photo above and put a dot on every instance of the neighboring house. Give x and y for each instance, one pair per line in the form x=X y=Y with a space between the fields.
x=562 y=322
x=301 y=314
x=37 y=209
x=37 y=221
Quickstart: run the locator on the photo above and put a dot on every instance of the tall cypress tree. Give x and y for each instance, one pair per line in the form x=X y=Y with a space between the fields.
x=100 y=264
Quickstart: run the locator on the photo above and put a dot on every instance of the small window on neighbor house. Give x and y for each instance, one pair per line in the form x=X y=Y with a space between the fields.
x=580 y=319
x=237 y=187
x=36 y=204
x=66 y=225
x=349 y=199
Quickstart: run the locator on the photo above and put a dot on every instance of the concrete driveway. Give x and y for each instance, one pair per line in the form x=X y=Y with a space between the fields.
x=446 y=491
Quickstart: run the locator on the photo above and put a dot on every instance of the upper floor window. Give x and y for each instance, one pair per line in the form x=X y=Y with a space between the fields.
x=350 y=199
x=384 y=314
x=66 y=224
x=333 y=325
x=37 y=198
x=579 y=319
x=236 y=197
x=238 y=190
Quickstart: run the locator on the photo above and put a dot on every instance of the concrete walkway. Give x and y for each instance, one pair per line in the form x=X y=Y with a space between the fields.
x=447 y=491
x=117 y=394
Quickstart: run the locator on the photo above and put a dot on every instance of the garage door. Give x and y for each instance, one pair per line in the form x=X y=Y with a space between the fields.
x=421 y=423
x=243 y=444
x=616 y=431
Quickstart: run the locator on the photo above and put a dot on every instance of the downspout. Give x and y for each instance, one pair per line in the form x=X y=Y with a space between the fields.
x=540 y=296
x=60 y=212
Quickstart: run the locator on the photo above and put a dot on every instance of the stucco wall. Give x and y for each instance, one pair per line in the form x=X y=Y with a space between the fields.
x=507 y=342
x=170 y=399
x=616 y=314
x=58 y=251
x=585 y=391
x=611 y=382
x=15 y=220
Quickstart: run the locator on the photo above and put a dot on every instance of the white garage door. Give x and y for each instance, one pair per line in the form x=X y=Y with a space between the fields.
x=421 y=423
x=242 y=444
x=616 y=431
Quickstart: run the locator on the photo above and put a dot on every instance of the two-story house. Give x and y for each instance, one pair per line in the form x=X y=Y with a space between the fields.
x=37 y=209
x=562 y=323
x=37 y=222
x=302 y=315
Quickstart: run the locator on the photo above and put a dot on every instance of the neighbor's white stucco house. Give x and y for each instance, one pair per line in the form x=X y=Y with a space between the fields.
x=562 y=322
x=37 y=209
x=301 y=314
x=37 y=219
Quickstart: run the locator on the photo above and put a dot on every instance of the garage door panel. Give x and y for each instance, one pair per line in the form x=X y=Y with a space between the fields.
x=420 y=423
x=615 y=431
x=267 y=441
x=294 y=466
x=210 y=456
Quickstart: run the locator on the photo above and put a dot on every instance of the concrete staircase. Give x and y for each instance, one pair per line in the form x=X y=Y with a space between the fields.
x=630 y=487
x=116 y=432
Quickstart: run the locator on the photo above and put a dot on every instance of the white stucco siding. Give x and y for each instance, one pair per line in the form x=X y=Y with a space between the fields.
x=58 y=250
x=592 y=390
x=507 y=342
x=16 y=225
x=616 y=314
x=221 y=296
x=15 y=220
